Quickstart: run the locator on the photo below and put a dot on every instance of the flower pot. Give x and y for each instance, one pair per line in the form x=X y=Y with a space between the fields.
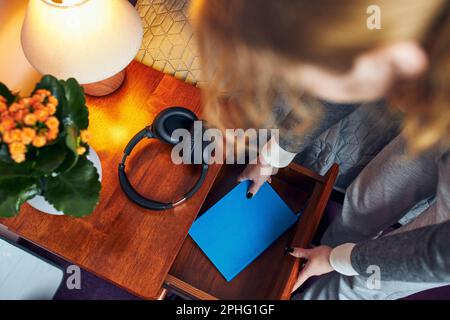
x=39 y=202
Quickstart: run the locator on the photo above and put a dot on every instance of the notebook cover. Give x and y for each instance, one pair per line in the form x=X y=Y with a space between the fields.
x=236 y=230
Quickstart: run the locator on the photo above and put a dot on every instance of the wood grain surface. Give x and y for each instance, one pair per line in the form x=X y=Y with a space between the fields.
x=121 y=242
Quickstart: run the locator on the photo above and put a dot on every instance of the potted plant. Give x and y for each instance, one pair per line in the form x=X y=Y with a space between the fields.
x=44 y=153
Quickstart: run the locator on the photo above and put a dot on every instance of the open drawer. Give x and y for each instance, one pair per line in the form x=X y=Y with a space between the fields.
x=273 y=274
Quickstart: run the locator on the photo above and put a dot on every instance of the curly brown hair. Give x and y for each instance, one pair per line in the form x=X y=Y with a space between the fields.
x=247 y=47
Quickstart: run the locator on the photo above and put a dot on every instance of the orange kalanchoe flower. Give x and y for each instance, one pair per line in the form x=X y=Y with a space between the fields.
x=42 y=115
x=41 y=94
x=52 y=134
x=39 y=141
x=37 y=106
x=19 y=158
x=7 y=124
x=3 y=106
x=17 y=147
x=30 y=119
x=15 y=107
x=52 y=100
x=12 y=136
x=25 y=101
x=81 y=150
x=52 y=123
x=44 y=92
x=51 y=108
x=20 y=115
x=28 y=134
x=17 y=151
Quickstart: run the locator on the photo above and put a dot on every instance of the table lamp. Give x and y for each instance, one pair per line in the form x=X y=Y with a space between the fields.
x=89 y=40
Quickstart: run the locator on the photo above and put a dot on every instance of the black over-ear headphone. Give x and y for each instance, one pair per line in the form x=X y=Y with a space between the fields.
x=162 y=128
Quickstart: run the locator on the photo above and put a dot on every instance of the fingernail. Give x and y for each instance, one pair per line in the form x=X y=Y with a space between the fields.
x=249 y=195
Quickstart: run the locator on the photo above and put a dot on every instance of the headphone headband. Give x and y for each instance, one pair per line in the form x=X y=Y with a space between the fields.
x=148 y=133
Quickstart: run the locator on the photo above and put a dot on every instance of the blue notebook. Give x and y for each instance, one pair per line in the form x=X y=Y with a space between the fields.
x=236 y=230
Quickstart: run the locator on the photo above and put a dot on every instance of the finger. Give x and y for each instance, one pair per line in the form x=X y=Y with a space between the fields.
x=301 y=253
x=242 y=177
x=255 y=187
x=304 y=275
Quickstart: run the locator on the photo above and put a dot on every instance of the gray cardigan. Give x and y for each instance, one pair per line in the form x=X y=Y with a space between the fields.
x=420 y=255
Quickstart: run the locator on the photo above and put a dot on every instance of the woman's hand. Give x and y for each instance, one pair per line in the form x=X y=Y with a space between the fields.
x=258 y=174
x=318 y=263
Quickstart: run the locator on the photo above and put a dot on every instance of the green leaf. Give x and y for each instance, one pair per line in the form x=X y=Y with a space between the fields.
x=75 y=192
x=14 y=193
x=69 y=162
x=50 y=157
x=76 y=110
x=71 y=138
x=4 y=154
x=71 y=157
x=7 y=94
x=12 y=170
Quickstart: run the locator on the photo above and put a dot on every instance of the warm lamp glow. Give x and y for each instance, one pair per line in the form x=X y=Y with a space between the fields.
x=89 y=40
x=114 y=128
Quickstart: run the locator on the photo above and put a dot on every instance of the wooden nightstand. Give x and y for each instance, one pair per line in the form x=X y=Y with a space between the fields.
x=132 y=247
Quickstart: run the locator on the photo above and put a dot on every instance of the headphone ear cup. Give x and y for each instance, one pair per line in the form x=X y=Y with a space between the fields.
x=170 y=120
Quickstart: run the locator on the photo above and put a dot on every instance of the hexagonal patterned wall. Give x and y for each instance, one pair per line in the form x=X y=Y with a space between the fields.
x=168 y=43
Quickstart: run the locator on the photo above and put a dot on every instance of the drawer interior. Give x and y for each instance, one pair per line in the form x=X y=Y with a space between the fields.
x=271 y=273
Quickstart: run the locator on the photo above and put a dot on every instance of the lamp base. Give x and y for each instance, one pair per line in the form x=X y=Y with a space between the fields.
x=105 y=87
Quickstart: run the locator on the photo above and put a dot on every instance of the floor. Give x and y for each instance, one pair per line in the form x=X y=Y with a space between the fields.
x=95 y=288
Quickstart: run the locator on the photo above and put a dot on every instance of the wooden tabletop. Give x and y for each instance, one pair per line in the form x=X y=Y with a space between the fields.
x=121 y=242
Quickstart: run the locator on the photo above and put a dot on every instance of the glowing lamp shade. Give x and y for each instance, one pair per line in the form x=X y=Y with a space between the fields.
x=89 y=40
